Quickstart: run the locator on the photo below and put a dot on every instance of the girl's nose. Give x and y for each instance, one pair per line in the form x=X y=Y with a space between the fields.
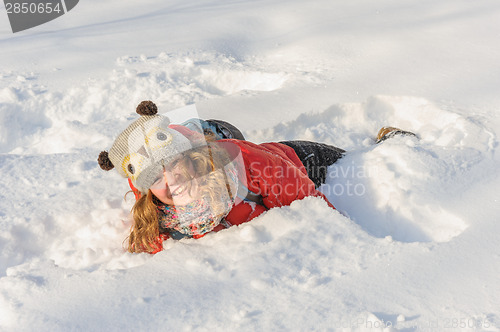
x=171 y=177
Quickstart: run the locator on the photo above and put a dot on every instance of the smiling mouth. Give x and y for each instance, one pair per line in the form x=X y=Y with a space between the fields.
x=179 y=190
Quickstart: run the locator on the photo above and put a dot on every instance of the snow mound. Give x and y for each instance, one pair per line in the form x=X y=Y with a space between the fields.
x=397 y=188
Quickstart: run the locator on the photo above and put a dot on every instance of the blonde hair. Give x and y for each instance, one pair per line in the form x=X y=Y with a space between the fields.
x=207 y=160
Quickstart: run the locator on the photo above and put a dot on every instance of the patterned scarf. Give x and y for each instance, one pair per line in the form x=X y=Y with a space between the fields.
x=194 y=219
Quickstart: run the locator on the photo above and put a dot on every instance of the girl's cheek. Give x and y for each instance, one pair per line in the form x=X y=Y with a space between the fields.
x=159 y=192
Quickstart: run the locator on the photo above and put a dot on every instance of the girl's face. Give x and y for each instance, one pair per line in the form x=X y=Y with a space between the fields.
x=177 y=185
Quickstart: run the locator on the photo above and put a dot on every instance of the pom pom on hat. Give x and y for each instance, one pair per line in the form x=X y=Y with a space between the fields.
x=147 y=107
x=104 y=161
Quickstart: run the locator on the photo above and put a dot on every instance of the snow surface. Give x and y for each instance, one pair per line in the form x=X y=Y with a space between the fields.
x=413 y=244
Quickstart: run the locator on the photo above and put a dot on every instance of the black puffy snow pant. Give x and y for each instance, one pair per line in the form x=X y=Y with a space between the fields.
x=316 y=158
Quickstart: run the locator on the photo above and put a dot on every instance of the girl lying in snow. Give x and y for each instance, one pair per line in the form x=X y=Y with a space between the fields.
x=202 y=176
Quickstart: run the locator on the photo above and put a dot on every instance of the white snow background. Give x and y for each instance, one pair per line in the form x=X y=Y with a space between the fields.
x=414 y=243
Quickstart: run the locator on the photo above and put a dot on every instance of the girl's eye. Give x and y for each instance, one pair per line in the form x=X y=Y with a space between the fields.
x=173 y=164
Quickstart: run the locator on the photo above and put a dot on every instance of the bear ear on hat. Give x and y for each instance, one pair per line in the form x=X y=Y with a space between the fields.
x=104 y=161
x=147 y=107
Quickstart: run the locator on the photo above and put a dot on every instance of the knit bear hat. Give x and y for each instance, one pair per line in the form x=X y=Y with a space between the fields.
x=145 y=146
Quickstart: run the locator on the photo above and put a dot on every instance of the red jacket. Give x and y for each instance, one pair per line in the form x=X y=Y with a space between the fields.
x=273 y=170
